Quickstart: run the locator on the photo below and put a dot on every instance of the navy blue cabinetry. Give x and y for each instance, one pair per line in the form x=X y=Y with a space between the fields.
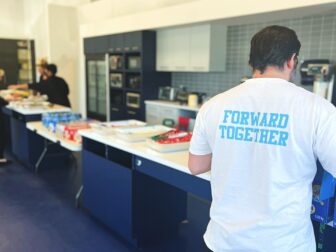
x=26 y=145
x=108 y=193
x=181 y=180
x=108 y=186
x=96 y=45
x=121 y=75
x=139 y=208
x=116 y=43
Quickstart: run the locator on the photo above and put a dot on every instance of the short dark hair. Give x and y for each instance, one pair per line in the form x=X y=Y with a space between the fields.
x=52 y=68
x=273 y=46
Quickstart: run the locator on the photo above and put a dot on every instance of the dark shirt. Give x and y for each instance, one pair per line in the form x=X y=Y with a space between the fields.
x=55 y=88
x=3 y=102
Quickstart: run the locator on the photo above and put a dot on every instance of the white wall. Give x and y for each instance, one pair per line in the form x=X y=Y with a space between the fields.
x=36 y=25
x=198 y=11
x=12 y=19
x=105 y=9
x=63 y=46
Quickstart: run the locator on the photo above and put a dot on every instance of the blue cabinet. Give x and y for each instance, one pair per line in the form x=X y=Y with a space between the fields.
x=26 y=145
x=108 y=192
x=139 y=208
x=178 y=179
x=96 y=45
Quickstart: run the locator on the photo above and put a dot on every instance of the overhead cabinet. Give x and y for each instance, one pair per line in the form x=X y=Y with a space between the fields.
x=96 y=45
x=200 y=48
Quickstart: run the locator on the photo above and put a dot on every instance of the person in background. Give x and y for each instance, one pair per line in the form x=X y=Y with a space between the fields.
x=3 y=102
x=261 y=140
x=3 y=83
x=41 y=69
x=54 y=87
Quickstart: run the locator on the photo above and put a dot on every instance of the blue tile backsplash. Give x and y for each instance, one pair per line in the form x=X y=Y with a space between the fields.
x=316 y=33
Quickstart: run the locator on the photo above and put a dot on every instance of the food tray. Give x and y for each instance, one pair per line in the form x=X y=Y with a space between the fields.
x=173 y=140
x=140 y=133
x=167 y=147
x=106 y=128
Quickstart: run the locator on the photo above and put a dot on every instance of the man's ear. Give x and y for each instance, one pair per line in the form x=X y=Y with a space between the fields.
x=291 y=63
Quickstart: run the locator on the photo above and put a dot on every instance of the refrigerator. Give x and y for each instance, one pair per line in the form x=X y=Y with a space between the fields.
x=97 y=90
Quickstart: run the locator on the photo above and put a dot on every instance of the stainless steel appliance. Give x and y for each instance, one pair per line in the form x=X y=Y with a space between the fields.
x=320 y=73
x=116 y=80
x=116 y=62
x=133 y=100
x=168 y=93
x=134 y=62
x=182 y=97
x=97 y=87
x=133 y=81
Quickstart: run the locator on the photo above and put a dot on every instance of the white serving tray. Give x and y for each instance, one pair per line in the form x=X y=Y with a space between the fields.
x=171 y=147
x=109 y=128
x=140 y=133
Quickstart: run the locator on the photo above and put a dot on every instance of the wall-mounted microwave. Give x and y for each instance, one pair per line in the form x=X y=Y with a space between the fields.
x=134 y=62
x=132 y=100
x=116 y=62
x=116 y=80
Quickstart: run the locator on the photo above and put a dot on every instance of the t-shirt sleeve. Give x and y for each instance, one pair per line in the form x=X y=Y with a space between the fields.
x=325 y=137
x=199 y=144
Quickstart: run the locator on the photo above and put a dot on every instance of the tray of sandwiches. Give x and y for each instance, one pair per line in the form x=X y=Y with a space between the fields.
x=140 y=133
x=173 y=140
x=109 y=128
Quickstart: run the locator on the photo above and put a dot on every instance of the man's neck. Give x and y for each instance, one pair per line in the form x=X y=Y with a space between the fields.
x=272 y=72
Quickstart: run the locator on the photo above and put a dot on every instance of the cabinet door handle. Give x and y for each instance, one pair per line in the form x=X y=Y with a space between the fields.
x=115 y=109
x=118 y=49
x=138 y=162
x=135 y=48
x=131 y=112
x=126 y=48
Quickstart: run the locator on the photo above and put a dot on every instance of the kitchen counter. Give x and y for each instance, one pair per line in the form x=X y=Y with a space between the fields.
x=38 y=128
x=172 y=104
x=26 y=145
x=39 y=110
x=137 y=192
x=176 y=160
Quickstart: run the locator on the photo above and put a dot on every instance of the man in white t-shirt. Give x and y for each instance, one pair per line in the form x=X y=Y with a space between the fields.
x=261 y=141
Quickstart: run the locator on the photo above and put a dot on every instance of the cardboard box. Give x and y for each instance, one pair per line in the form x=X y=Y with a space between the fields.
x=323 y=204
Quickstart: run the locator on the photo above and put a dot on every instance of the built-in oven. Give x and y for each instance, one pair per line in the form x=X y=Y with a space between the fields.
x=116 y=80
x=134 y=62
x=133 y=100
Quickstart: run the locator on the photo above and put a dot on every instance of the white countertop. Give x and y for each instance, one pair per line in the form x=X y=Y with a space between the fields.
x=44 y=132
x=177 y=160
x=172 y=104
x=39 y=110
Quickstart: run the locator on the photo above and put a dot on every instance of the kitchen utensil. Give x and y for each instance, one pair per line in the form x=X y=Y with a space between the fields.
x=167 y=93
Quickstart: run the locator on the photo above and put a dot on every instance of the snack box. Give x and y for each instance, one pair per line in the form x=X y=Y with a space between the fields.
x=173 y=140
x=107 y=128
x=70 y=131
x=322 y=210
x=140 y=133
x=323 y=202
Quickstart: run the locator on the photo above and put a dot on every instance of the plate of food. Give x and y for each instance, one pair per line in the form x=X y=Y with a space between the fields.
x=173 y=140
x=140 y=133
x=108 y=128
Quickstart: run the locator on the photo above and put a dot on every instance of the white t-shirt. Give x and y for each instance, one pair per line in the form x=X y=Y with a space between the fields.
x=265 y=136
